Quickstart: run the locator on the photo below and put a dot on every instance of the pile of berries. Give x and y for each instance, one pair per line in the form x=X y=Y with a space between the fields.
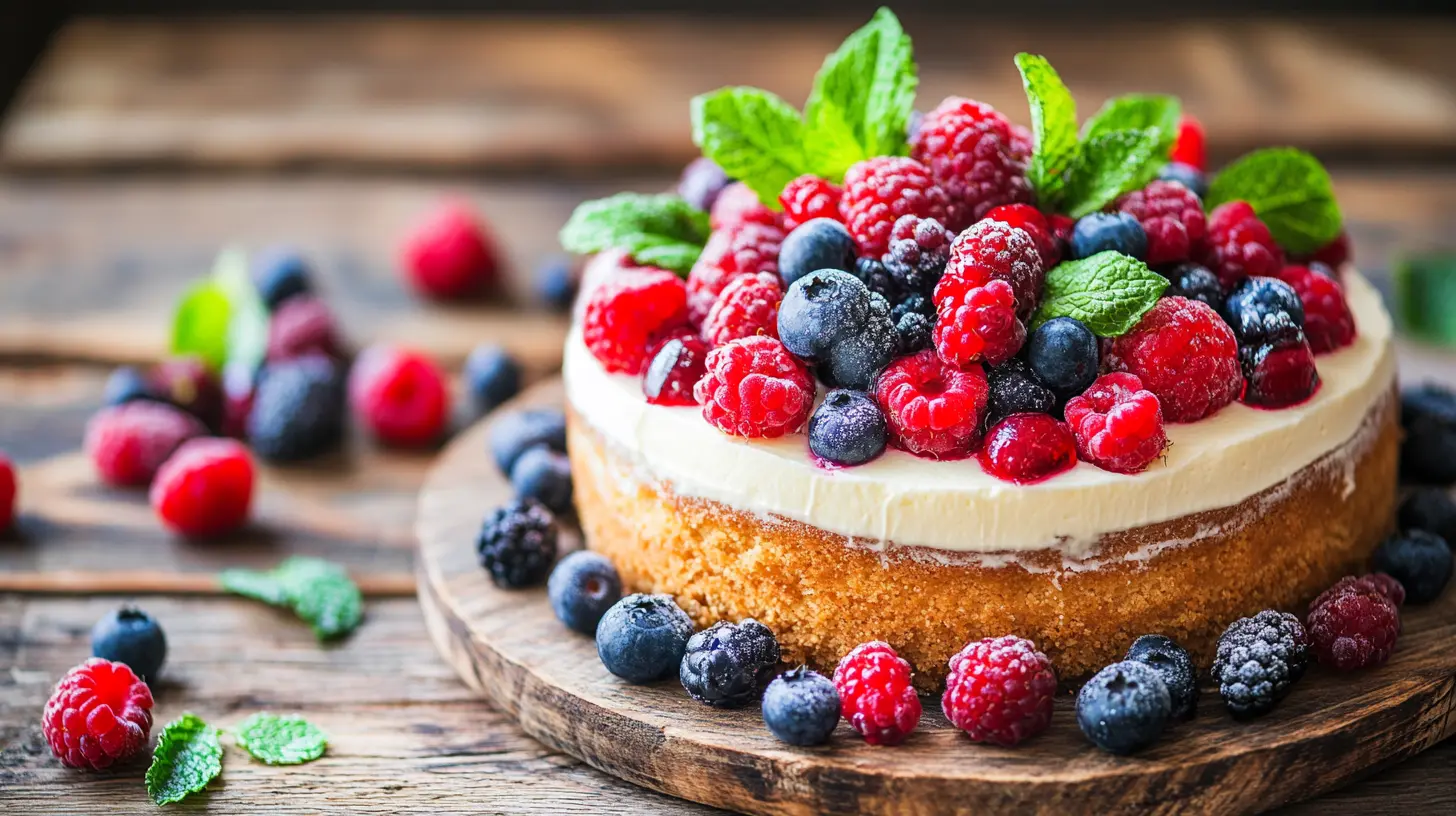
x=517 y=544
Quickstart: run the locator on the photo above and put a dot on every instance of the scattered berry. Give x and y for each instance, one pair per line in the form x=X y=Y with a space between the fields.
x=1115 y=231
x=1195 y=282
x=281 y=273
x=1431 y=509
x=1186 y=175
x=1172 y=663
x=1172 y=219
x=809 y=197
x=1419 y=560
x=878 y=191
x=754 y=388
x=1026 y=448
x=127 y=443
x=189 y=384
x=8 y=491
x=801 y=707
x=544 y=475
x=913 y=332
x=1183 y=352
x=1377 y=582
x=1124 y=708
x=519 y=431
x=1353 y=626
x=205 y=488
x=738 y=204
x=1428 y=451
x=239 y=387
x=675 y=369
x=625 y=311
x=302 y=326
x=1000 y=690
x=99 y=715
x=976 y=155
x=517 y=544
x=976 y=323
x=582 y=587
x=1117 y=423
x=728 y=664
x=491 y=376
x=298 y=410
x=847 y=428
x=731 y=252
x=1333 y=255
x=127 y=384
x=400 y=396
x=875 y=693
x=872 y=273
x=747 y=306
x=1188 y=147
x=642 y=638
x=1263 y=309
x=701 y=182
x=1015 y=389
x=831 y=319
x=822 y=243
x=1031 y=221
x=449 y=254
x=1259 y=659
x=129 y=635
x=1328 y=324
x=932 y=408
x=919 y=249
x=556 y=284
x=1063 y=353
x=1001 y=252
x=1240 y=246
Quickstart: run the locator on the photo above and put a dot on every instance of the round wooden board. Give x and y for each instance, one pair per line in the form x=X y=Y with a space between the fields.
x=509 y=646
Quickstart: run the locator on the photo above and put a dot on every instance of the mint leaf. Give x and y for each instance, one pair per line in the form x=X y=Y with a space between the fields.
x=1424 y=303
x=660 y=230
x=1290 y=191
x=188 y=756
x=200 y=323
x=1138 y=112
x=246 y=339
x=1053 y=125
x=1110 y=164
x=755 y=136
x=862 y=98
x=318 y=591
x=1109 y=292
x=287 y=740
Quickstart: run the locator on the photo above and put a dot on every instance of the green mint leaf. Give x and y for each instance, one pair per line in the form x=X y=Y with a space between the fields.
x=862 y=98
x=318 y=591
x=1110 y=164
x=661 y=230
x=1053 y=125
x=200 y=323
x=188 y=756
x=1138 y=112
x=286 y=740
x=1290 y=191
x=755 y=136
x=1424 y=303
x=1109 y=292
x=260 y=586
x=247 y=331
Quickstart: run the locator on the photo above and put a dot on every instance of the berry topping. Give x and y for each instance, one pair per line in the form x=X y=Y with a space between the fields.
x=875 y=693
x=847 y=428
x=976 y=155
x=642 y=638
x=1118 y=424
x=1002 y=252
x=919 y=248
x=129 y=635
x=1419 y=560
x=809 y=197
x=205 y=488
x=1026 y=448
x=544 y=475
x=754 y=388
x=932 y=408
x=1185 y=354
x=830 y=318
x=127 y=443
x=728 y=664
x=517 y=544
x=1353 y=626
x=976 y=323
x=1431 y=509
x=1188 y=147
x=1031 y=221
x=1428 y=452
x=399 y=396
x=1263 y=309
x=913 y=332
x=1279 y=372
x=298 y=410
x=878 y=191
x=1172 y=663
x=1000 y=690
x=1186 y=175
x=915 y=303
x=1124 y=708
x=801 y=707
x=491 y=376
x=1116 y=231
x=1171 y=217
x=1195 y=282
x=1259 y=659
x=280 y=273
x=872 y=273
x=1328 y=324
x=701 y=182
x=819 y=244
x=626 y=310
x=449 y=254
x=675 y=369
x=1239 y=245
x=99 y=715
x=1015 y=389
x=582 y=587
x=1333 y=255
x=1063 y=353
x=747 y=306
x=519 y=431
x=738 y=204
x=731 y=252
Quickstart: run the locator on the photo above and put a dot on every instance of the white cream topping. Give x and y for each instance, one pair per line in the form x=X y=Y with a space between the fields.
x=955 y=506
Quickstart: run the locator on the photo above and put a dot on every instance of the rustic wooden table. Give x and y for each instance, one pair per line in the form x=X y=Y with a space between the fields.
x=137 y=148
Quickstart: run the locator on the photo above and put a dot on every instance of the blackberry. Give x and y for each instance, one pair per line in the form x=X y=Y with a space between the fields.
x=912 y=333
x=1419 y=560
x=280 y=274
x=133 y=637
x=1124 y=707
x=727 y=664
x=1431 y=509
x=642 y=638
x=544 y=475
x=516 y=433
x=913 y=303
x=919 y=249
x=582 y=587
x=801 y=707
x=298 y=410
x=517 y=544
x=1015 y=389
x=1175 y=666
x=1195 y=282
x=1263 y=310
x=873 y=275
x=1099 y=232
x=1428 y=452
x=1259 y=659
x=847 y=428
x=817 y=244
x=492 y=376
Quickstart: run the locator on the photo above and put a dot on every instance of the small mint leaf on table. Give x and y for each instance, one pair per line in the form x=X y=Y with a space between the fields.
x=187 y=757
x=1053 y=126
x=1138 y=112
x=318 y=591
x=660 y=230
x=1289 y=190
x=281 y=740
x=1108 y=292
x=1110 y=164
x=755 y=136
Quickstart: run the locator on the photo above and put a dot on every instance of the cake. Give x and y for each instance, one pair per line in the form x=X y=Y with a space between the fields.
x=1232 y=448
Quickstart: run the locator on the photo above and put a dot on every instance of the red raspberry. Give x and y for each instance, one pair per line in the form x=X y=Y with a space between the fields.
x=932 y=408
x=1188 y=147
x=302 y=325
x=189 y=384
x=1183 y=352
x=205 y=488
x=1061 y=227
x=739 y=204
x=809 y=197
x=1373 y=582
x=399 y=396
x=878 y=191
x=1240 y=246
x=1172 y=217
x=731 y=252
x=975 y=155
x=747 y=306
x=1027 y=448
x=1031 y=221
x=127 y=443
x=676 y=367
x=1000 y=690
x=1008 y=253
x=449 y=254
x=1335 y=254
x=1118 y=424
x=100 y=714
x=8 y=490
x=1353 y=626
x=626 y=310
x=755 y=388
x=1280 y=373
x=1328 y=324
x=974 y=323
x=875 y=694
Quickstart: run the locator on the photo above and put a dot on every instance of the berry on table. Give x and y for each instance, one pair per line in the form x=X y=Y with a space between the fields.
x=1124 y=708
x=728 y=664
x=449 y=254
x=1240 y=245
x=1280 y=371
x=932 y=408
x=1419 y=560
x=626 y=310
x=675 y=369
x=1031 y=221
x=1117 y=423
x=491 y=376
x=701 y=182
x=996 y=250
x=519 y=431
x=1259 y=659
x=919 y=249
x=847 y=428
x=1116 y=231
x=298 y=410
x=737 y=204
x=1188 y=147
x=801 y=707
x=129 y=635
x=1172 y=663
x=731 y=252
x=582 y=587
x=128 y=442
x=239 y=387
x=517 y=544
x=1353 y=625
x=556 y=284
x=205 y=488
x=1186 y=175
x=544 y=475
x=1000 y=690
x=1262 y=309
x=399 y=396
x=875 y=693
x=1195 y=282
x=1027 y=448
x=1015 y=389
x=754 y=388
x=8 y=491
x=99 y=715
x=1428 y=451
x=126 y=384
x=642 y=638
x=281 y=273
x=808 y=197
x=301 y=326
x=975 y=154
x=1063 y=353
x=878 y=191
x=1183 y=352
x=1431 y=509
x=975 y=323
x=189 y=384
x=1328 y=323
x=822 y=243
x=1172 y=219
x=747 y=306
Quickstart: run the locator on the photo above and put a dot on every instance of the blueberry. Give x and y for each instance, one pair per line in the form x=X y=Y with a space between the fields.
x=1064 y=355
x=582 y=587
x=127 y=384
x=642 y=638
x=298 y=410
x=1261 y=309
x=801 y=707
x=1419 y=560
x=1428 y=452
x=544 y=475
x=280 y=273
x=515 y=433
x=820 y=243
x=1195 y=282
x=1124 y=707
x=1015 y=389
x=1100 y=232
x=856 y=360
x=1431 y=509
x=1175 y=666
x=727 y=664
x=492 y=376
x=517 y=544
x=1186 y=175
x=820 y=310
x=701 y=182
x=130 y=636
x=556 y=284
x=847 y=428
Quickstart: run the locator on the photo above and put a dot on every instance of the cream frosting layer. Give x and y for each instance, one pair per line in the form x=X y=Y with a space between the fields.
x=899 y=499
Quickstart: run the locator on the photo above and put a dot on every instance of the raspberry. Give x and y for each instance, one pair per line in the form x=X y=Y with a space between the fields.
x=1240 y=246
x=127 y=443
x=808 y=197
x=189 y=384
x=919 y=248
x=449 y=254
x=933 y=408
x=731 y=252
x=205 y=488
x=1335 y=254
x=626 y=310
x=1328 y=323
x=1259 y=659
x=1183 y=352
x=100 y=714
x=1280 y=371
x=976 y=323
x=1000 y=690
x=1377 y=582
x=747 y=306
x=1027 y=448
x=7 y=492
x=755 y=388
x=1118 y=424
x=675 y=369
x=399 y=396
x=738 y=204
x=1188 y=147
x=878 y=191
x=1061 y=228
x=1172 y=216
x=1005 y=253
x=1353 y=625
x=975 y=154
x=875 y=693
x=1031 y=221
x=302 y=325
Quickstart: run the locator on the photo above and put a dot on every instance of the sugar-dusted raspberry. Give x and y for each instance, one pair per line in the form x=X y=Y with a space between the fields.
x=205 y=488
x=676 y=367
x=1027 y=448
x=975 y=323
x=1008 y=253
x=1118 y=424
x=626 y=310
x=400 y=396
x=1000 y=690
x=1183 y=352
x=739 y=204
x=1240 y=246
x=875 y=694
x=1328 y=323
x=737 y=250
x=808 y=197
x=8 y=490
x=975 y=154
x=933 y=408
x=1188 y=148
x=919 y=248
x=747 y=306
x=450 y=254
x=100 y=714
x=1373 y=582
x=302 y=325
x=1353 y=625
x=1334 y=255
x=1030 y=220
x=1280 y=371
x=1172 y=216
x=878 y=191
x=755 y=388
x=128 y=442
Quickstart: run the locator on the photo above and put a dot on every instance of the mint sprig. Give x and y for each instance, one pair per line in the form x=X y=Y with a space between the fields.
x=1289 y=190
x=1053 y=125
x=318 y=591
x=658 y=230
x=1110 y=164
x=280 y=740
x=752 y=134
x=862 y=98
x=222 y=318
x=187 y=757
x=1109 y=292
x=1136 y=112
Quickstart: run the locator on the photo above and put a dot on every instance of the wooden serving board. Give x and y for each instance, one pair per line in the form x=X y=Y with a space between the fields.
x=508 y=646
